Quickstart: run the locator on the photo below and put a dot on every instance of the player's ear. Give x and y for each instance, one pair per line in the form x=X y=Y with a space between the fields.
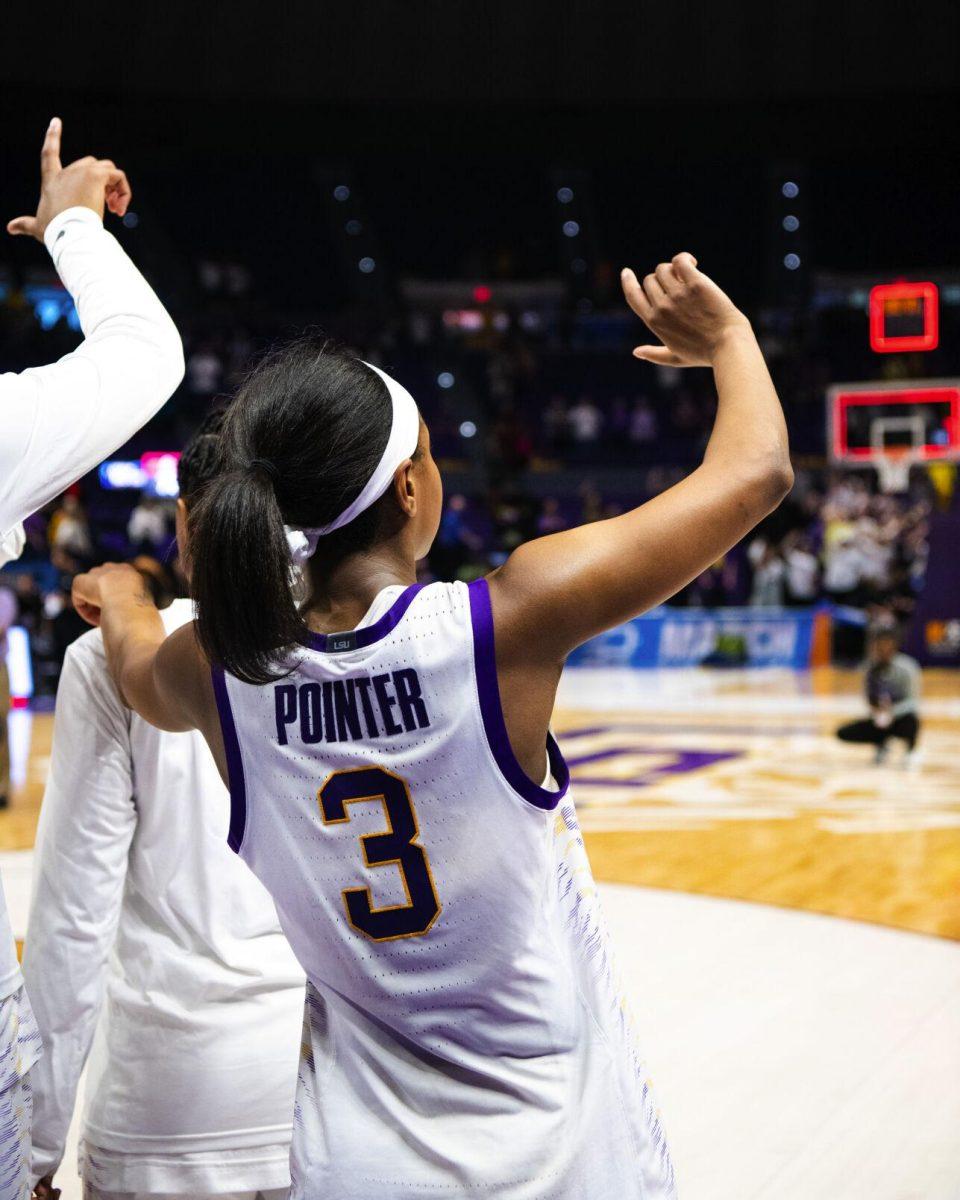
x=405 y=487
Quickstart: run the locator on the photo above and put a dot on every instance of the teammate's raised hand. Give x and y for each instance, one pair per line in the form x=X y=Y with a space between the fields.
x=685 y=309
x=89 y=182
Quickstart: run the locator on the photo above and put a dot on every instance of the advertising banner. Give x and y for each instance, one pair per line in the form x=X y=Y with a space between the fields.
x=733 y=637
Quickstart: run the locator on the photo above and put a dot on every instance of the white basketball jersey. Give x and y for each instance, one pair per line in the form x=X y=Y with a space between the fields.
x=465 y=1033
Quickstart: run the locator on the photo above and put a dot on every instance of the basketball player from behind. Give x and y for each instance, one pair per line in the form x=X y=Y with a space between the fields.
x=58 y=421
x=393 y=779
x=146 y=927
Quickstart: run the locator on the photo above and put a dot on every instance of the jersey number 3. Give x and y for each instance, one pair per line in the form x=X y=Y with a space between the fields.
x=395 y=847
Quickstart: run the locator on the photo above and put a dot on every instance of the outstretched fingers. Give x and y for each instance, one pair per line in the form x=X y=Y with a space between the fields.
x=50 y=151
x=658 y=354
x=22 y=227
x=633 y=293
x=665 y=301
x=49 y=168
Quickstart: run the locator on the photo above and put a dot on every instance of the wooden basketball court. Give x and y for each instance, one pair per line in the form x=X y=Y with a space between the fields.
x=795 y=1055
x=727 y=784
x=732 y=784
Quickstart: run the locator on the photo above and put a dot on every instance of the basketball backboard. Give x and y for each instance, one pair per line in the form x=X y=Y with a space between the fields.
x=893 y=425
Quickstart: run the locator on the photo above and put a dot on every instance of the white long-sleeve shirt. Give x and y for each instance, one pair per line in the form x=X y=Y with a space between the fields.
x=58 y=421
x=145 y=926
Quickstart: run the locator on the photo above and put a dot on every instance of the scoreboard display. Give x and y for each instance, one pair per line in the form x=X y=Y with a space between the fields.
x=904 y=317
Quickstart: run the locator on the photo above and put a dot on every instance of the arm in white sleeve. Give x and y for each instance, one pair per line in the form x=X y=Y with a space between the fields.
x=86 y=826
x=59 y=421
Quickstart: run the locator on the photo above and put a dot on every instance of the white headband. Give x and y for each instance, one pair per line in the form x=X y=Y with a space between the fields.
x=402 y=442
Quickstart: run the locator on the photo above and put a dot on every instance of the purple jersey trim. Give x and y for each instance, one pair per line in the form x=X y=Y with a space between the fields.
x=370 y=633
x=231 y=744
x=488 y=691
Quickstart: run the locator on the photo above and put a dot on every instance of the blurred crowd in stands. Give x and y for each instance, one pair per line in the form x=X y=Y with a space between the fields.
x=535 y=431
x=840 y=543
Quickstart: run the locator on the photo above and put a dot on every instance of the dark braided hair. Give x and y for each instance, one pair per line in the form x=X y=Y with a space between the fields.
x=200 y=459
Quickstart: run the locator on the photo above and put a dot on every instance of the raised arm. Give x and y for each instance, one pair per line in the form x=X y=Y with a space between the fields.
x=61 y=420
x=554 y=593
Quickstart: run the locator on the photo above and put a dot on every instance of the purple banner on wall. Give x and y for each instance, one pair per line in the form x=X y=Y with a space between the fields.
x=934 y=634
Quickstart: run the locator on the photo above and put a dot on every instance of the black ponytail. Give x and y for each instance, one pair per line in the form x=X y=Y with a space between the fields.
x=298 y=444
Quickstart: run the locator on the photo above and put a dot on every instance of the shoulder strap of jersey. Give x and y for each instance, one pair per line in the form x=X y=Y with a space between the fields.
x=491 y=709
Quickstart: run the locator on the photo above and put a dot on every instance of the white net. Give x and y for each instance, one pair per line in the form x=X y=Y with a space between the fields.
x=897 y=443
x=893 y=468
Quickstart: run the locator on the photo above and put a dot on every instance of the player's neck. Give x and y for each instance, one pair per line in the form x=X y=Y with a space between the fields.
x=341 y=596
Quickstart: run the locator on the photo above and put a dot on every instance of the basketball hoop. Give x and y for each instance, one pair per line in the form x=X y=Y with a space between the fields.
x=894 y=426
x=893 y=465
x=894 y=458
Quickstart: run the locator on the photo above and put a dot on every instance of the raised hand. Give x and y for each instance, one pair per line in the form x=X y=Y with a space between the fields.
x=89 y=182
x=685 y=309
